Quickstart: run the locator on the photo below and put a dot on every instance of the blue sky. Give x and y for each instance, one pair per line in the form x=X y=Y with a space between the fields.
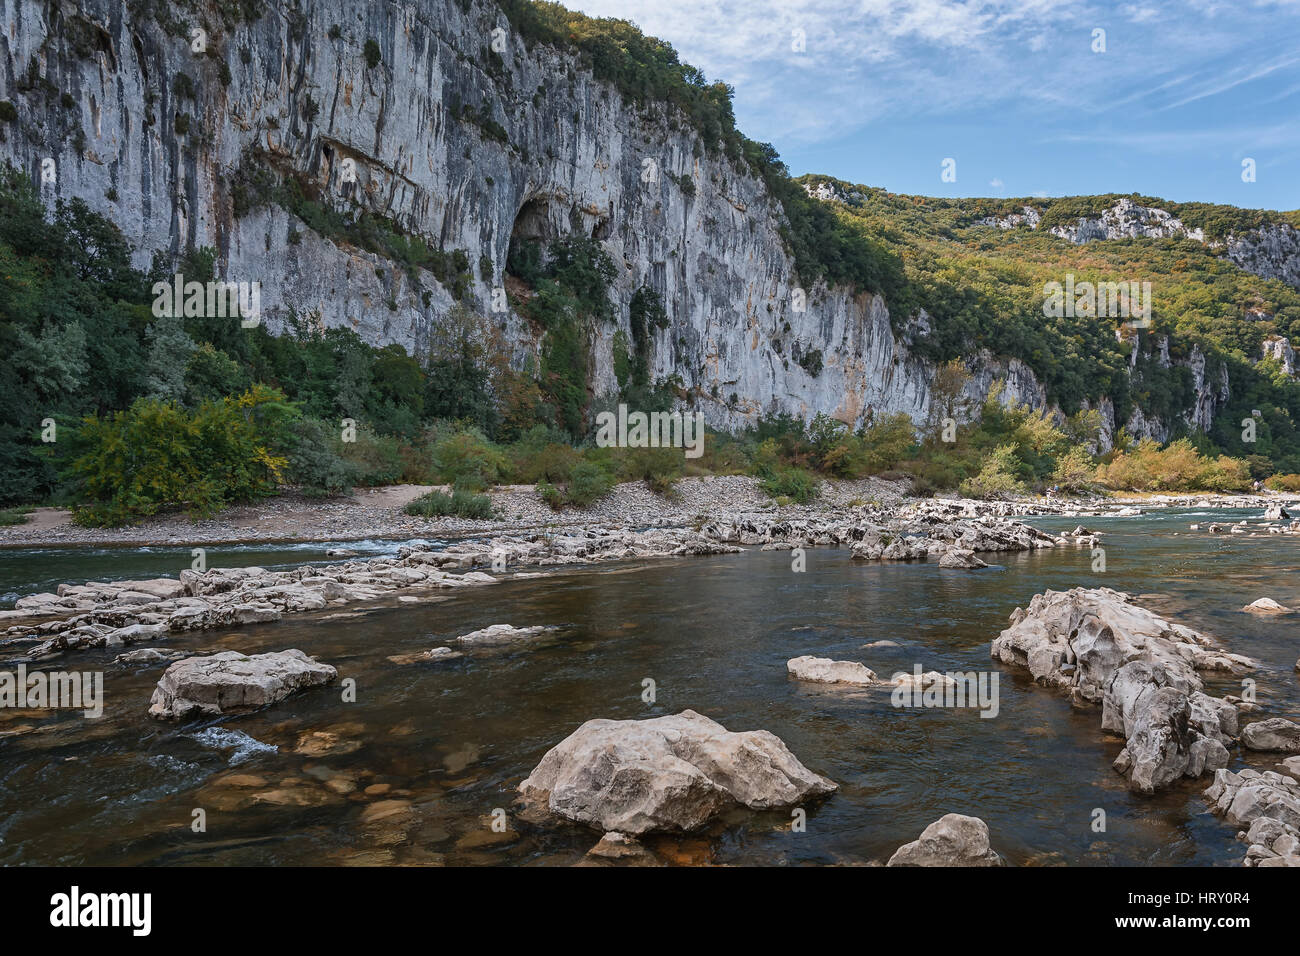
x=1013 y=90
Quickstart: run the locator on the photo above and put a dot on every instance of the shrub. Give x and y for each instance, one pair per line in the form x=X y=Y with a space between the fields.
x=1286 y=483
x=373 y=56
x=461 y=503
x=1075 y=470
x=659 y=468
x=12 y=516
x=796 y=484
x=588 y=483
x=157 y=455
x=314 y=460
x=469 y=459
x=375 y=459
x=997 y=477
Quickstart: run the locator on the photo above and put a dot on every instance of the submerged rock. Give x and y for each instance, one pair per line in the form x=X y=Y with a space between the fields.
x=231 y=682
x=666 y=773
x=952 y=840
x=619 y=849
x=823 y=670
x=1141 y=669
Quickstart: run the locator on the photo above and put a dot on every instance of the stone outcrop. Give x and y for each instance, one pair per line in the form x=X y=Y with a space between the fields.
x=233 y=683
x=1141 y=669
x=1266 y=807
x=952 y=840
x=666 y=773
x=823 y=670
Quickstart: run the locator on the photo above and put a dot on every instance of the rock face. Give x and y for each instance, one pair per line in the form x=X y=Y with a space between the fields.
x=231 y=683
x=666 y=773
x=952 y=840
x=1275 y=733
x=823 y=670
x=1140 y=668
x=1267 y=808
x=404 y=113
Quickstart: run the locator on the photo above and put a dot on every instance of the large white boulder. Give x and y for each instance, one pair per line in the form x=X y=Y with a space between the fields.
x=952 y=840
x=231 y=682
x=823 y=670
x=666 y=773
x=1275 y=733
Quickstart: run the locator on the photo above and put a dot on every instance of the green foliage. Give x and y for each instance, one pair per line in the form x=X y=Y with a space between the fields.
x=158 y=455
x=315 y=463
x=372 y=54
x=468 y=459
x=797 y=484
x=586 y=483
x=13 y=516
x=461 y=503
x=997 y=477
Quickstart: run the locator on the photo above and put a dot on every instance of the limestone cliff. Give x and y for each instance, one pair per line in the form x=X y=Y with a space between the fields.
x=434 y=116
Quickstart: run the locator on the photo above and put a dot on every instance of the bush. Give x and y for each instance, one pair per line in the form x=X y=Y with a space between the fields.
x=588 y=483
x=997 y=477
x=12 y=516
x=374 y=459
x=314 y=460
x=372 y=53
x=461 y=503
x=157 y=455
x=659 y=468
x=1286 y=483
x=797 y=484
x=469 y=459
x=1075 y=470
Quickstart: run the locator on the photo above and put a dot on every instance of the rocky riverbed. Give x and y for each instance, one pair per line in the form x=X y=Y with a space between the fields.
x=113 y=614
x=377 y=513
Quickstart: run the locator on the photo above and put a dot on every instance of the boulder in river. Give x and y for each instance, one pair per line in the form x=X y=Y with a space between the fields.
x=1141 y=669
x=960 y=558
x=952 y=840
x=1276 y=512
x=231 y=682
x=1275 y=733
x=666 y=773
x=1266 y=606
x=500 y=634
x=823 y=670
x=1266 y=807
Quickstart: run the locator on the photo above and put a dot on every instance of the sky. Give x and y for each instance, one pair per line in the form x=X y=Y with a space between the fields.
x=1026 y=96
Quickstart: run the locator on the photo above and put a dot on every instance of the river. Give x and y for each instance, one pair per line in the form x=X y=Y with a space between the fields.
x=412 y=771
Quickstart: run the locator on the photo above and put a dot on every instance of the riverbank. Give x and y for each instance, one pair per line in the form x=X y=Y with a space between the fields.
x=377 y=513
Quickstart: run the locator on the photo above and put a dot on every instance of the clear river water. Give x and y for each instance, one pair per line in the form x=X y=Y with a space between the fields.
x=411 y=772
